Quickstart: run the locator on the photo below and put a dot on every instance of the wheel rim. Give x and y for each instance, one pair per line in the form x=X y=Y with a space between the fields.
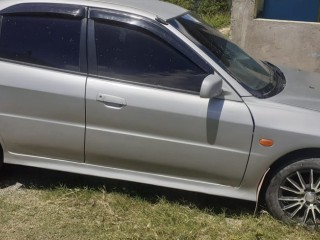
x=299 y=197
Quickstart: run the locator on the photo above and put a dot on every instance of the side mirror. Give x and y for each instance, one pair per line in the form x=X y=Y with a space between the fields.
x=211 y=86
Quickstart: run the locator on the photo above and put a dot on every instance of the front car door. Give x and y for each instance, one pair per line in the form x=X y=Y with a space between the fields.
x=143 y=109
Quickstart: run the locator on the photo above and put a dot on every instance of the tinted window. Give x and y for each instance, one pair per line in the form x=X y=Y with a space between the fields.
x=133 y=54
x=47 y=41
x=253 y=74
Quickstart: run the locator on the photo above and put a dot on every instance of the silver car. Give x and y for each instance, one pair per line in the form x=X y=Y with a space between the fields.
x=142 y=90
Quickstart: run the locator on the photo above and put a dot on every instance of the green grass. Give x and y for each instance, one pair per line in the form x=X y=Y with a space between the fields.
x=218 y=21
x=215 y=12
x=94 y=208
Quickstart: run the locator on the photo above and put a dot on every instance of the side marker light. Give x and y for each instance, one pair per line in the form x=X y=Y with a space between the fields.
x=266 y=142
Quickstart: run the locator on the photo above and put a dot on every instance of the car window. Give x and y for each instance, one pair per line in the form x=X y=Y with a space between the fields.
x=47 y=41
x=254 y=75
x=134 y=54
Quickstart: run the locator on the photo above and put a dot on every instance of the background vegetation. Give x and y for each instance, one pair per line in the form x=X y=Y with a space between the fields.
x=215 y=12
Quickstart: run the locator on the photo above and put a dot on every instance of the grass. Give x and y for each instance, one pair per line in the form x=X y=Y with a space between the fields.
x=217 y=13
x=218 y=21
x=54 y=205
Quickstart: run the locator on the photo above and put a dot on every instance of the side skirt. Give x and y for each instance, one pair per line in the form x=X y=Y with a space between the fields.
x=127 y=175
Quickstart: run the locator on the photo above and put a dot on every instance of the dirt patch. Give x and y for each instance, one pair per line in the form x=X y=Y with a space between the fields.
x=225 y=31
x=10 y=189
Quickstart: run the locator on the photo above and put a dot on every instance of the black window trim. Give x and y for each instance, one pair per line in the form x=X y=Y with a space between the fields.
x=79 y=12
x=1 y=19
x=154 y=27
x=75 y=11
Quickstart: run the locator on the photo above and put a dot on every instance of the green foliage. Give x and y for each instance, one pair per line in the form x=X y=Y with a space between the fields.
x=215 y=12
x=188 y=4
x=206 y=7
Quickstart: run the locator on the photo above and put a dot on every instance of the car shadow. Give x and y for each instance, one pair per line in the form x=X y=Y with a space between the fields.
x=36 y=178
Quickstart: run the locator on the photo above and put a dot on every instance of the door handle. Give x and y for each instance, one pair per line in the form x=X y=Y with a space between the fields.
x=111 y=101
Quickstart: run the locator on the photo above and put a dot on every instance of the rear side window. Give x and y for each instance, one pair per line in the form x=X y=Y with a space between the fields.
x=133 y=54
x=47 y=41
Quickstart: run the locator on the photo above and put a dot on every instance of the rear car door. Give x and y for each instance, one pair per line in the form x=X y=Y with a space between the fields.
x=143 y=109
x=42 y=82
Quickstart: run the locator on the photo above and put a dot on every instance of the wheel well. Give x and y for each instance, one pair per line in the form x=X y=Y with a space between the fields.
x=1 y=155
x=284 y=161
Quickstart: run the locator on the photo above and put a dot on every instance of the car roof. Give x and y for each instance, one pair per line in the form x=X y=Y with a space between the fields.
x=147 y=8
x=159 y=8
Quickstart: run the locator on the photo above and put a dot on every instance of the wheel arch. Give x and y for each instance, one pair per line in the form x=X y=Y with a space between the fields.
x=283 y=161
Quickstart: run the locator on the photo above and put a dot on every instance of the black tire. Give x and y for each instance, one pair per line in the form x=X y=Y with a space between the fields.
x=293 y=194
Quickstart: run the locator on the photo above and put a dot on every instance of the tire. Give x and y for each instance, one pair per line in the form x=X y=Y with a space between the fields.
x=293 y=194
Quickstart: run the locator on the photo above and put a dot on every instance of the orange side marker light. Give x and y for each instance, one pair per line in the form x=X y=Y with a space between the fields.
x=266 y=142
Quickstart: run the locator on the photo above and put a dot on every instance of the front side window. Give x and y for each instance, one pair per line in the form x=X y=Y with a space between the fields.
x=41 y=40
x=133 y=54
x=256 y=76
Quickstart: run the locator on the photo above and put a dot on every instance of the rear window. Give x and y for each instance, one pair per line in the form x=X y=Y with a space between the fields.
x=47 y=41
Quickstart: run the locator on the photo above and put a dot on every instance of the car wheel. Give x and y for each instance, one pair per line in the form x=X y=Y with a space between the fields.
x=293 y=193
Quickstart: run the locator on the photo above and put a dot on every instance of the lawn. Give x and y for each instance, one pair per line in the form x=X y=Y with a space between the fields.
x=215 y=12
x=55 y=205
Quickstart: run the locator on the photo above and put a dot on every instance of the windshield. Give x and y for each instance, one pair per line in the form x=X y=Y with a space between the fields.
x=254 y=75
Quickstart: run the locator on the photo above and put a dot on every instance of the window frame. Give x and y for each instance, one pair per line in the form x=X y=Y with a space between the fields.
x=62 y=11
x=154 y=27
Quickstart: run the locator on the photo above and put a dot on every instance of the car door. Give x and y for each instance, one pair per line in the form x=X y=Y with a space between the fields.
x=143 y=109
x=42 y=82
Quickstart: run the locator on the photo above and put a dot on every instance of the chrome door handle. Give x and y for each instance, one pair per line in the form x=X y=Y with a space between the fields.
x=111 y=101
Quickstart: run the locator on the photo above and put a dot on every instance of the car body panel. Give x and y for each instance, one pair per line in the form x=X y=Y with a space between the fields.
x=291 y=128
x=134 y=176
x=290 y=119
x=181 y=134
x=48 y=119
x=302 y=89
